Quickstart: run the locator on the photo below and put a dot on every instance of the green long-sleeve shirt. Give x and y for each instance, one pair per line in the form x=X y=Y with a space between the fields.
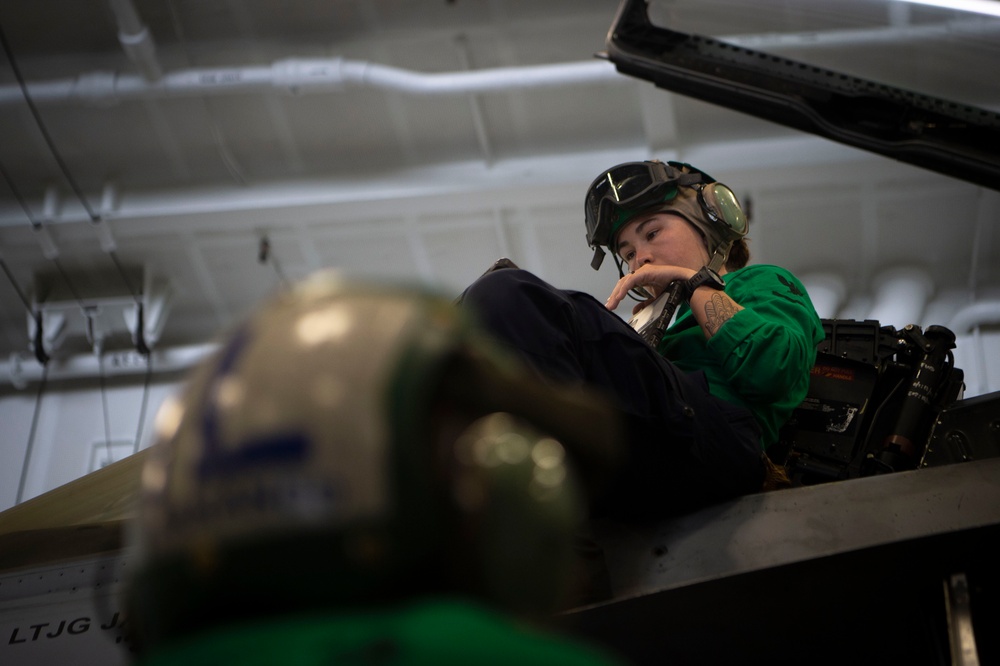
x=438 y=633
x=761 y=358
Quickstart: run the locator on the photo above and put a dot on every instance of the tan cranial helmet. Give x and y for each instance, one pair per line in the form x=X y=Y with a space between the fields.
x=626 y=190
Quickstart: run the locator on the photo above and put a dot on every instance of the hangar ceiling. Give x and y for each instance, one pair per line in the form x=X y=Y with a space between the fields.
x=199 y=156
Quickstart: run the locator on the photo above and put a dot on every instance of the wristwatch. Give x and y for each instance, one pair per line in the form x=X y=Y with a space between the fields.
x=706 y=277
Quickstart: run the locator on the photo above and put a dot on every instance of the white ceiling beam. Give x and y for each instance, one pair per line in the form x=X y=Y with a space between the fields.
x=418 y=249
x=987 y=212
x=223 y=313
x=659 y=119
x=456 y=186
x=500 y=228
x=475 y=105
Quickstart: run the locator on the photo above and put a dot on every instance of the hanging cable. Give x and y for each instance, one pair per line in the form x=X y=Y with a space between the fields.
x=31 y=434
x=142 y=407
x=39 y=347
x=16 y=69
x=38 y=343
x=17 y=194
x=40 y=352
x=266 y=255
x=69 y=283
x=63 y=167
x=27 y=212
x=140 y=332
x=124 y=276
x=104 y=403
x=97 y=341
x=17 y=287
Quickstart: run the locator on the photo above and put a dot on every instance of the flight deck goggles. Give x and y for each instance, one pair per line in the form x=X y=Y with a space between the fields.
x=621 y=192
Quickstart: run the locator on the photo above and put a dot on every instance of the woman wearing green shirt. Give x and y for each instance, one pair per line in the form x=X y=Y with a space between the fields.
x=706 y=400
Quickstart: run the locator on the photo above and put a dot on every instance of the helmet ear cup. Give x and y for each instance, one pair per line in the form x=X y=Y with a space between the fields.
x=725 y=210
x=521 y=506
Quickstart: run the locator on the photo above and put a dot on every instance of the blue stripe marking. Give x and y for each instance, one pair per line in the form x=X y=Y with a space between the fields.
x=269 y=449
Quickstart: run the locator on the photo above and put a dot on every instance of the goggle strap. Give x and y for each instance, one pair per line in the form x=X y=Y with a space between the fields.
x=689 y=179
x=598 y=257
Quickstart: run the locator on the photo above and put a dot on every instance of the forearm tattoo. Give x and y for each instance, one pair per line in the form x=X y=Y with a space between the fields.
x=718 y=310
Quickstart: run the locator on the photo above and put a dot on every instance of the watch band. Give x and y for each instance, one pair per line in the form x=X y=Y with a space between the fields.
x=706 y=277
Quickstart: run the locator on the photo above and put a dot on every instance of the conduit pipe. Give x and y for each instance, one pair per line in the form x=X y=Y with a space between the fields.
x=974 y=315
x=298 y=76
x=827 y=293
x=901 y=295
x=22 y=372
x=136 y=39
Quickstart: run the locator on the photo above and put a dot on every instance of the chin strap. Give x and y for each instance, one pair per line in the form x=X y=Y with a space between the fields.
x=719 y=259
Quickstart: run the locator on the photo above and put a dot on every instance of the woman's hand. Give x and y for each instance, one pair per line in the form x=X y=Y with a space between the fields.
x=652 y=278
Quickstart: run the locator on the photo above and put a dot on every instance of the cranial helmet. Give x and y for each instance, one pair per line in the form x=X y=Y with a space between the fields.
x=353 y=445
x=625 y=190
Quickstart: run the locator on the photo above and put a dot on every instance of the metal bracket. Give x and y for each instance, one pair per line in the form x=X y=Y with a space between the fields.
x=960 y=632
x=936 y=134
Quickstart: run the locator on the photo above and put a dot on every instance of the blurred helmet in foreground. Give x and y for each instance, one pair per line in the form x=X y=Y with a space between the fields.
x=349 y=446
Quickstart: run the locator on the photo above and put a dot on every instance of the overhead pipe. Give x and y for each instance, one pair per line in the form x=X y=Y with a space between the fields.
x=972 y=351
x=136 y=39
x=827 y=292
x=901 y=294
x=974 y=315
x=22 y=372
x=299 y=76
